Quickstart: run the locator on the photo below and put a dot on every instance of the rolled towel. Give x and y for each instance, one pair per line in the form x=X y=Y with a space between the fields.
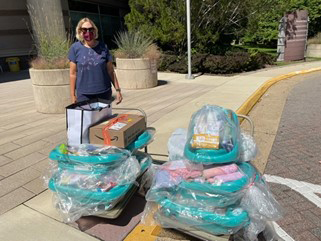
x=226 y=177
x=216 y=171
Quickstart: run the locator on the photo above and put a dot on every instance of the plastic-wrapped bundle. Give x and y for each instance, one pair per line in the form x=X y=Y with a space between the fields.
x=88 y=154
x=182 y=200
x=213 y=136
x=217 y=221
x=248 y=148
x=94 y=184
x=177 y=141
x=176 y=144
x=81 y=192
x=186 y=182
x=261 y=207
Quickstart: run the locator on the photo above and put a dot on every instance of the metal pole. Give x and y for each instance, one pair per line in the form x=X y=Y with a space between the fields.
x=189 y=55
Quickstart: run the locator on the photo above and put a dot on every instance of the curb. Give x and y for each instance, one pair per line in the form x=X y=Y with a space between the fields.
x=253 y=99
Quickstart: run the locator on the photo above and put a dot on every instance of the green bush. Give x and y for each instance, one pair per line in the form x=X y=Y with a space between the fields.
x=50 y=38
x=231 y=62
x=166 y=60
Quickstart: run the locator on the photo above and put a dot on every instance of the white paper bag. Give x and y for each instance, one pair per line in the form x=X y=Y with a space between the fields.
x=82 y=115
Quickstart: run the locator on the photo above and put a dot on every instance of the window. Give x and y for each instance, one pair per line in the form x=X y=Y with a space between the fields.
x=106 y=18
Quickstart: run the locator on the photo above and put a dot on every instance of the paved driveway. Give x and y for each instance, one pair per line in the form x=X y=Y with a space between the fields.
x=294 y=167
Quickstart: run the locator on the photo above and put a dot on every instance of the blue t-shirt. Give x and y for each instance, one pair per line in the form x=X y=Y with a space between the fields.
x=92 y=75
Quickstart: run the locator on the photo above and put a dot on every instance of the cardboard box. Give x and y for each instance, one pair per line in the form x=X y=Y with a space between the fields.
x=121 y=133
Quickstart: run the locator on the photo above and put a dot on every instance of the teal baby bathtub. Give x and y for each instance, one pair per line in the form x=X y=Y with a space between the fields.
x=233 y=218
x=212 y=156
x=223 y=195
x=226 y=187
x=114 y=156
x=95 y=197
x=142 y=140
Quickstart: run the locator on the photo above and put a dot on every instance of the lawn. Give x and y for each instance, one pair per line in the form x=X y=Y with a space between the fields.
x=267 y=50
x=273 y=52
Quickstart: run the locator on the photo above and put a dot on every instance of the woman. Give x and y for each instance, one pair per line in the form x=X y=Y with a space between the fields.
x=91 y=68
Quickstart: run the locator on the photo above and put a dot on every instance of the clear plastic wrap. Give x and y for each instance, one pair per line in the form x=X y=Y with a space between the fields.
x=185 y=182
x=147 y=180
x=269 y=234
x=87 y=181
x=182 y=197
x=248 y=148
x=213 y=136
x=89 y=154
x=80 y=193
x=176 y=144
x=262 y=207
x=217 y=221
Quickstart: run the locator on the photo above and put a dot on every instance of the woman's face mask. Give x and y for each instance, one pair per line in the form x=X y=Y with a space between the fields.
x=88 y=36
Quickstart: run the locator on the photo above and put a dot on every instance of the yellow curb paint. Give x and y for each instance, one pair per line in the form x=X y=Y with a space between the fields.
x=150 y=233
x=144 y=233
x=252 y=100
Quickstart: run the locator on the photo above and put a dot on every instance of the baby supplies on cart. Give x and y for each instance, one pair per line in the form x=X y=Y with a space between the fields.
x=207 y=186
x=98 y=180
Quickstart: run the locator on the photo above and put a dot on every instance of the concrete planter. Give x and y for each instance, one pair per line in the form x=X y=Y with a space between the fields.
x=51 y=89
x=314 y=51
x=136 y=73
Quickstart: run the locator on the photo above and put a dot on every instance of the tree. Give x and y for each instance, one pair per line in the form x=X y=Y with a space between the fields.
x=214 y=23
x=263 y=26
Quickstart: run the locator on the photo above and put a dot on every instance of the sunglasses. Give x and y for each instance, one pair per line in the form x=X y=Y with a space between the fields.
x=85 y=30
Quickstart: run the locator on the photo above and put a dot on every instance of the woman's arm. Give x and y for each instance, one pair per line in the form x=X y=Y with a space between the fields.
x=114 y=80
x=73 y=77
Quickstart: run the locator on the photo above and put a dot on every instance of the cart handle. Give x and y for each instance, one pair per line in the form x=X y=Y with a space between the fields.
x=137 y=109
x=249 y=120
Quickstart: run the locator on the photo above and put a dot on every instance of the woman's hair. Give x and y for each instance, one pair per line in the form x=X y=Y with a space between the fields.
x=80 y=23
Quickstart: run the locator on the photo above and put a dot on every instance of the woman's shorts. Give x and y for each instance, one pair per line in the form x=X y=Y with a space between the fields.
x=106 y=95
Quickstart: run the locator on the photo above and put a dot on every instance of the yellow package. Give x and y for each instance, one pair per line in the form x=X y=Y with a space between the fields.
x=205 y=141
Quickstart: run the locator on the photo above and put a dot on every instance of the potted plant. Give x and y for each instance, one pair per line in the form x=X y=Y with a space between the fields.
x=136 y=61
x=314 y=47
x=49 y=71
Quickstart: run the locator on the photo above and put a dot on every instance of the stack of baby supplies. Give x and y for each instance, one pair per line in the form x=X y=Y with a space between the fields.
x=91 y=179
x=206 y=184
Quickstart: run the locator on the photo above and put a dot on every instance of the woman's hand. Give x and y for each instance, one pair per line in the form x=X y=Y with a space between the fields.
x=119 y=97
x=73 y=99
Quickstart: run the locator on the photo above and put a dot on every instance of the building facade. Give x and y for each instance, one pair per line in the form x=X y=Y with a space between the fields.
x=15 y=26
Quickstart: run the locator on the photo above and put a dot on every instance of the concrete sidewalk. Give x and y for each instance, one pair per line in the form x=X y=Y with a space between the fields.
x=26 y=137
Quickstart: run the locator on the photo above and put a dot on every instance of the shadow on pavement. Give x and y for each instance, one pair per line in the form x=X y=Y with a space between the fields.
x=134 y=208
x=14 y=76
x=162 y=82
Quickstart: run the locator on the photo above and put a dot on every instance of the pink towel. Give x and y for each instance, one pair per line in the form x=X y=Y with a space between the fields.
x=226 y=177
x=216 y=171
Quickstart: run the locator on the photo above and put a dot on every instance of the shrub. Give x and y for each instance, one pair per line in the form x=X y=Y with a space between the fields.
x=315 y=40
x=135 y=45
x=231 y=62
x=49 y=36
x=166 y=61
